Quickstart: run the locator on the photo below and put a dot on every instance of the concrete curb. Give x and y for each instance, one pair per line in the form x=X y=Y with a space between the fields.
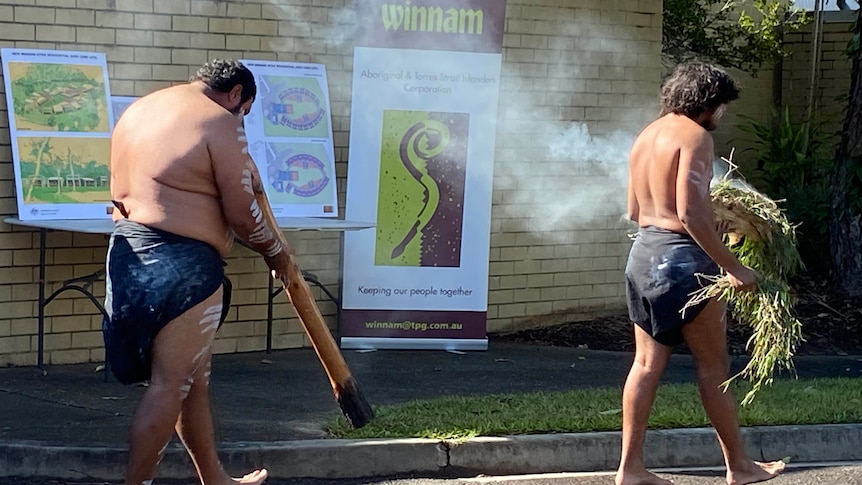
x=489 y=455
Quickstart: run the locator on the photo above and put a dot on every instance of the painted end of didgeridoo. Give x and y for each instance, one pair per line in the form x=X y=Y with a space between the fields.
x=353 y=404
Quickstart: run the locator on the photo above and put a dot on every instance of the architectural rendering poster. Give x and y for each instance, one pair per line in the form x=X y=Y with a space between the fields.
x=422 y=136
x=60 y=122
x=289 y=132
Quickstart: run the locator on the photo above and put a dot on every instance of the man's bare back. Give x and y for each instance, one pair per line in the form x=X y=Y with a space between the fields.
x=670 y=168
x=161 y=169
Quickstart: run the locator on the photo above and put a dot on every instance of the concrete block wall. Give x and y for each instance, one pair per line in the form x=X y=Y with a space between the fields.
x=565 y=62
x=832 y=74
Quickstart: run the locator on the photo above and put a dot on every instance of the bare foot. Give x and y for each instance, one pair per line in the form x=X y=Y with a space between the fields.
x=639 y=478
x=756 y=472
x=254 y=478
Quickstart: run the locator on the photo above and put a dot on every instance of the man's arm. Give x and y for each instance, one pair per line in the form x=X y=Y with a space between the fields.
x=694 y=204
x=632 y=208
x=235 y=175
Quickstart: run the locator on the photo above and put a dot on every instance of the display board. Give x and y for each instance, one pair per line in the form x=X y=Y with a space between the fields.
x=289 y=130
x=422 y=140
x=60 y=122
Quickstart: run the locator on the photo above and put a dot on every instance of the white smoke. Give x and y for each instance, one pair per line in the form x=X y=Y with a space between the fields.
x=584 y=181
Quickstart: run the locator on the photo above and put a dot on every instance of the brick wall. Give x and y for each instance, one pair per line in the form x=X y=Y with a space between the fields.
x=832 y=74
x=565 y=62
x=558 y=247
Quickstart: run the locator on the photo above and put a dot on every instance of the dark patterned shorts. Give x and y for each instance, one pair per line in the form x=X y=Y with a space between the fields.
x=660 y=277
x=153 y=277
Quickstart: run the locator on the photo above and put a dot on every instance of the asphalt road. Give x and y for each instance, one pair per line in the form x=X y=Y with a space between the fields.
x=801 y=474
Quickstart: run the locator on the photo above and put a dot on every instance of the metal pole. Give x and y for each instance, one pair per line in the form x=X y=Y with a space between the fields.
x=41 y=329
x=269 y=298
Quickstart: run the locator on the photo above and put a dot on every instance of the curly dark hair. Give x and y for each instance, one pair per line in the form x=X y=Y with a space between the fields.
x=223 y=74
x=695 y=88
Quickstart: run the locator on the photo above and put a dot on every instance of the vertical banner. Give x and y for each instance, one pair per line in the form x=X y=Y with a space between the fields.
x=289 y=134
x=60 y=122
x=422 y=132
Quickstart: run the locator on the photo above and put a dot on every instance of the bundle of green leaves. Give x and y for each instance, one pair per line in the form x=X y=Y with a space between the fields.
x=763 y=239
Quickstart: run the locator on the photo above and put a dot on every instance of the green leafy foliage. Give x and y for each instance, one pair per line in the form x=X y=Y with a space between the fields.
x=744 y=34
x=793 y=165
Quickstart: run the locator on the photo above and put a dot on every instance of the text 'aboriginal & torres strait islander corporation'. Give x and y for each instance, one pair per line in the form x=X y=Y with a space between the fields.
x=421 y=18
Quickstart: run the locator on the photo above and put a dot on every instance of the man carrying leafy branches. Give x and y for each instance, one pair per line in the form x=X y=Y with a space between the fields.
x=669 y=174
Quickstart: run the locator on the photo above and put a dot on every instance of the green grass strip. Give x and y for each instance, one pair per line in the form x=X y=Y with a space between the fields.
x=786 y=402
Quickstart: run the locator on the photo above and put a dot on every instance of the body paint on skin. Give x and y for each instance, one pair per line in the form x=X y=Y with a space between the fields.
x=211 y=318
x=697 y=177
x=262 y=233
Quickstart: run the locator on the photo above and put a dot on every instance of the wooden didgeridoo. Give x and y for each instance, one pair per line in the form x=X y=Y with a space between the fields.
x=345 y=387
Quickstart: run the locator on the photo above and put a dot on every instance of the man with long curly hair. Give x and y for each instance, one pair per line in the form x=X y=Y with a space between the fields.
x=670 y=168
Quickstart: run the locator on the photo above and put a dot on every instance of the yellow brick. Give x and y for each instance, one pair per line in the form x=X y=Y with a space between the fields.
x=87 y=340
x=97 y=355
x=13 y=31
x=68 y=16
x=226 y=26
x=25 y=257
x=77 y=323
x=135 y=5
x=261 y=27
x=183 y=23
x=242 y=42
x=224 y=346
x=76 y=356
x=172 y=6
x=244 y=11
x=246 y=313
x=97 y=4
x=154 y=55
x=191 y=57
x=21 y=292
x=145 y=87
x=236 y=329
x=58 y=341
x=152 y=22
x=207 y=41
x=119 y=20
x=72 y=255
x=24 y=326
x=92 y=35
x=288 y=341
x=171 y=73
x=209 y=8
x=11 y=345
x=20 y=359
x=133 y=37
x=56 y=33
x=34 y=15
x=170 y=39
x=250 y=344
x=16 y=275
x=63 y=305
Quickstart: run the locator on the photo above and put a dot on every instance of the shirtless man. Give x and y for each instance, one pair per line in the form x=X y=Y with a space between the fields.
x=181 y=181
x=669 y=174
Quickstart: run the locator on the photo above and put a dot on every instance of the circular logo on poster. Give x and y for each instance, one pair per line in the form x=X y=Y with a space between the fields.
x=301 y=166
x=298 y=108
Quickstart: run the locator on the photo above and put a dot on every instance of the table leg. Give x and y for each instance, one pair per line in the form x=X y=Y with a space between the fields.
x=41 y=324
x=269 y=297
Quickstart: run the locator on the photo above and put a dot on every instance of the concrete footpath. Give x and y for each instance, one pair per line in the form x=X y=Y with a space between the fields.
x=270 y=410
